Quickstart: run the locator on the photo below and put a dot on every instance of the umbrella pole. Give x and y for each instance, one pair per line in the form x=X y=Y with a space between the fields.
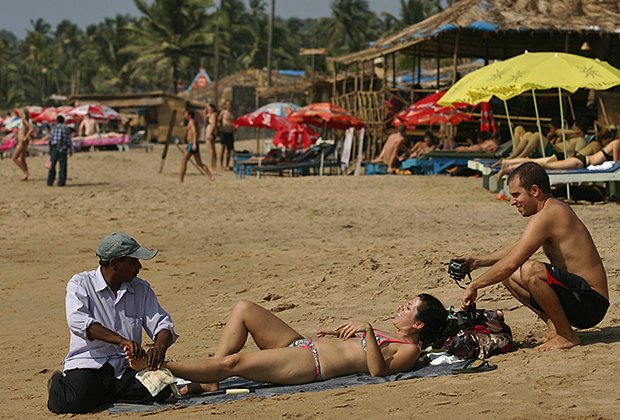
x=542 y=145
x=563 y=137
x=258 y=152
x=512 y=134
x=257 y=135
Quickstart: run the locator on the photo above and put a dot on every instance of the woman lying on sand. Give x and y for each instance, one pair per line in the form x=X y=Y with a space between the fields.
x=287 y=358
x=577 y=161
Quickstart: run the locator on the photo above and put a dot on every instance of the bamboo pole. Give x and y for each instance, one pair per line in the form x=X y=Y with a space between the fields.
x=437 y=57
x=542 y=146
x=334 y=89
x=563 y=136
x=455 y=58
x=512 y=134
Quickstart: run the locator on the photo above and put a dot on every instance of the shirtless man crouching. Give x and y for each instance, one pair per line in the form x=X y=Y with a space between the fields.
x=572 y=289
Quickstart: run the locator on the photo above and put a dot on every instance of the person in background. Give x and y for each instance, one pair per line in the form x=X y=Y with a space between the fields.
x=227 y=131
x=60 y=147
x=191 y=136
x=24 y=135
x=210 y=131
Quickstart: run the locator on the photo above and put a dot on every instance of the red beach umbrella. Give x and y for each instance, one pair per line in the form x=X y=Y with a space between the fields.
x=427 y=111
x=49 y=115
x=97 y=111
x=326 y=113
x=262 y=120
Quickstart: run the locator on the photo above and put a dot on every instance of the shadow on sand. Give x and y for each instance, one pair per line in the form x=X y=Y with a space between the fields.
x=607 y=335
x=86 y=184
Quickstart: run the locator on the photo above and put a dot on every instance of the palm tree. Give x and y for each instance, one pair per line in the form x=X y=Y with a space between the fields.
x=414 y=11
x=107 y=41
x=254 y=31
x=354 y=25
x=37 y=61
x=68 y=46
x=169 y=35
x=11 y=92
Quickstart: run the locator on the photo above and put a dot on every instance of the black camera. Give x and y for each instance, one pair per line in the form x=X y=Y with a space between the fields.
x=458 y=270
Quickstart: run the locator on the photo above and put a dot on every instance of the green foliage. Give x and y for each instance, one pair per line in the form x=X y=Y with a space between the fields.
x=172 y=38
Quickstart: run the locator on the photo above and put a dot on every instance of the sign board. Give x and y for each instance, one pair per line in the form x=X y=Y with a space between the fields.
x=313 y=51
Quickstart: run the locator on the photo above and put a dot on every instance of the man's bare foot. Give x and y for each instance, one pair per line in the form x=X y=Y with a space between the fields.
x=211 y=178
x=24 y=177
x=198 y=388
x=135 y=364
x=559 y=343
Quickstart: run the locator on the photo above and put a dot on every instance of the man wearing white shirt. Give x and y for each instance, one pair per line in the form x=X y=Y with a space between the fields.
x=107 y=309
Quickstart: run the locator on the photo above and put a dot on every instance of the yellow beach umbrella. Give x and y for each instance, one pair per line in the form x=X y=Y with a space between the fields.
x=547 y=70
x=470 y=88
x=537 y=70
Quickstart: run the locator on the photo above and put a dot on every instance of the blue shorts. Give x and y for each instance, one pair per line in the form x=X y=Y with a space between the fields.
x=583 y=306
x=191 y=150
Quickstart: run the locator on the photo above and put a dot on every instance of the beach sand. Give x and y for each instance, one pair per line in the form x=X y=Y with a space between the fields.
x=316 y=250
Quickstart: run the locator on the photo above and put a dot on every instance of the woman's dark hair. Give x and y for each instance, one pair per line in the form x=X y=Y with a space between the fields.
x=434 y=316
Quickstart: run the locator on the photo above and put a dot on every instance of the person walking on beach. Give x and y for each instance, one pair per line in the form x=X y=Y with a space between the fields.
x=24 y=135
x=60 y=146
x=570 y=290
x=227 y=129
x=107 y=309
x=211 y=122
x=191 y=136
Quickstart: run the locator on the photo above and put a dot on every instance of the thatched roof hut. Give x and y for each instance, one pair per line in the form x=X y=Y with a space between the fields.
x=498 y=29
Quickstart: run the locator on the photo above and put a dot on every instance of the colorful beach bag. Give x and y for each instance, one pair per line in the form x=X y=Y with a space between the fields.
x=477 y=333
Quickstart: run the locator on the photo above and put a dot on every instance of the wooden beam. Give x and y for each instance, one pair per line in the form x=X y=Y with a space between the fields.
x=394 y=70
x=334 y=89
x=437 y=58
x=455 y=57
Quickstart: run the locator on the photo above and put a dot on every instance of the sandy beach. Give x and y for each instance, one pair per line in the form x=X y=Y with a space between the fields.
x=316 y=250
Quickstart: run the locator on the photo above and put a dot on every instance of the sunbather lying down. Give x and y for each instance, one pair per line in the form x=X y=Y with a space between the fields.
x=610 y=152
x=286 y=357
x=110 y=134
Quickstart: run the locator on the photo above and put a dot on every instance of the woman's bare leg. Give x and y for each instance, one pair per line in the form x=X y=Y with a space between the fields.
x=286 y=366
x=211 y=148
x=570 y=163
x=222 y=155
x=613 y=149
x=19 y=158
x=532 y=142
x=267 y=330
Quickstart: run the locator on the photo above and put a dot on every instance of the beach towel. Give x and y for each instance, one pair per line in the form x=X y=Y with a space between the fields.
x=239 y=388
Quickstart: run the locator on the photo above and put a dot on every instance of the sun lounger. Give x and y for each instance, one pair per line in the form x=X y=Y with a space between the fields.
x=375 y=168
x=6 y=147
x=137 y=141
x=311 y=162
x=120 y=143
x=611 y=177
x=238 y=159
